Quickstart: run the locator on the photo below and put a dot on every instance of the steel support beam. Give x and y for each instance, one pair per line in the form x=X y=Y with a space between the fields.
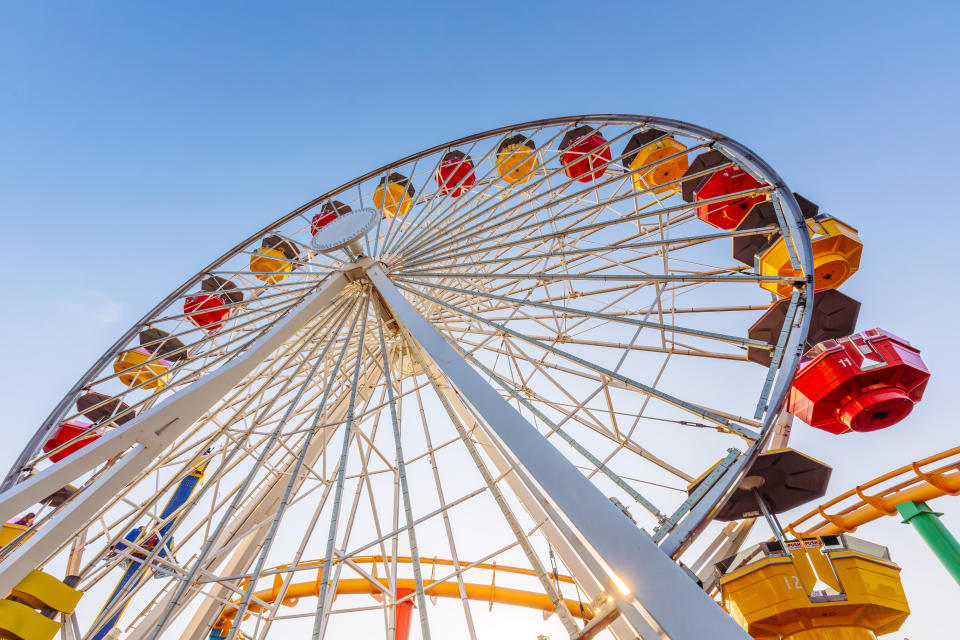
x=140 y=440
x=927 y=523
x=584 y=569
x=668 y=599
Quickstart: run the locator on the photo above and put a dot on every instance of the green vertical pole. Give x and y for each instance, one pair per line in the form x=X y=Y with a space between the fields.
x=927 y=523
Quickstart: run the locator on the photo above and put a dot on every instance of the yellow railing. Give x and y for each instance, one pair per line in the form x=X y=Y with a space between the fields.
x=449 y=588
x=919 y=481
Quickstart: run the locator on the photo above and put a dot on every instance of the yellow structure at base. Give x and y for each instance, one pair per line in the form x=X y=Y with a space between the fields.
x=516 y=163
x=836 y=256
x=773 y=598
x=21 y=620
x=18 y=621
x=269 y=265
x=395 y=200
x=153 y=375
x=9 y=533
x=663 y=172
x=41 y=590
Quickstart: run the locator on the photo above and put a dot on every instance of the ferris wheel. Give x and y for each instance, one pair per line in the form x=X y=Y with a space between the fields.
x=513 y=370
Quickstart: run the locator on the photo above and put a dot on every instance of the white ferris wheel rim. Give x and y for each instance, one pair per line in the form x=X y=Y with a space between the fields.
x=408 y=281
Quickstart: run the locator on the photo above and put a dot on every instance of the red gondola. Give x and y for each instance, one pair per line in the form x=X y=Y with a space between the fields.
x=455 y=174
x=585 y=154
x=66 y=432
x=330 y=211
x=210 y=307
x=726 y=214
x=864 y=382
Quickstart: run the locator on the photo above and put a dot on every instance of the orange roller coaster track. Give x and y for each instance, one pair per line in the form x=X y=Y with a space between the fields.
x=447 y=588
x=918 y=481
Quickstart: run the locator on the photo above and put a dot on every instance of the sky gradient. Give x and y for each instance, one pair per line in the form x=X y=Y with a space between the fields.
x=141 y=141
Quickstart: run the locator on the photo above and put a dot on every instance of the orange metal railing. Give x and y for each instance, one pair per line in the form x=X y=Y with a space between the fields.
x=449 y=588
x=919 y=481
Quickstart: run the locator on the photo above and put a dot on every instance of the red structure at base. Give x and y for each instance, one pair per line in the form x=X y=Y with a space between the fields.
x=864 y=382
x=404 y=614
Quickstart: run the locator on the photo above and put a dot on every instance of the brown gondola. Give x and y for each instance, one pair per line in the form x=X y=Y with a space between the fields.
x=782 y=479
x=161 y=343
x=222 y=287
x=109 y=409
x=284 y=246
x=834 y=315
x=745 y=248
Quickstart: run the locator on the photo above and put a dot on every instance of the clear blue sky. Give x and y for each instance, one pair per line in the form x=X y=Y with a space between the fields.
x=138 y=141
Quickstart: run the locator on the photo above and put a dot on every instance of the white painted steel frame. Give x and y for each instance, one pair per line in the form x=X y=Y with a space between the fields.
x=787 y=211
x=140 y=441
x=669 y=600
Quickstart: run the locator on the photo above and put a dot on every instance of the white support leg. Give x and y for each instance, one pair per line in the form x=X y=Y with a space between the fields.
x=584 y=569
x=654 y=584
x=143 y=438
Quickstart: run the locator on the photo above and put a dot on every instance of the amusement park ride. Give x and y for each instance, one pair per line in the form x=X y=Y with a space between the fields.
x=577 y=344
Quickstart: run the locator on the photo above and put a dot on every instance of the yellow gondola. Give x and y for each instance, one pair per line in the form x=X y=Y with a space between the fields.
x=836 y=256
x=29 y=611
x=9 y=532
x=272 y=262
x=648 y=148
x=394 y=195
x=149 y=364
x=771 y=592
x=517 y=159
x=135 y=367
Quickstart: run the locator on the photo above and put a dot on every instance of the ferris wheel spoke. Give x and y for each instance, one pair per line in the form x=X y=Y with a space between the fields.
x=470 y=208
x=669 y=399
x=501 y=239
x=612 y=277
x=545 y=180
x=323 y=605
x=665 y=311
x=120 y=602
x=592 y=251
x=494 y=490
x=244 y=485
x=603 y=316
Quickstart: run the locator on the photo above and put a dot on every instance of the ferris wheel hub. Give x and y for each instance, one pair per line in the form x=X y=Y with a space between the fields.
x=345 y=231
